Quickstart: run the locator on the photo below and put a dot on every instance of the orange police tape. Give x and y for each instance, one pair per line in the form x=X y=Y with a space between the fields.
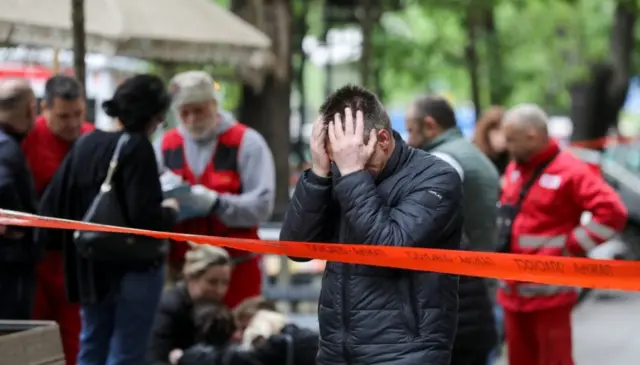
x=578 y=272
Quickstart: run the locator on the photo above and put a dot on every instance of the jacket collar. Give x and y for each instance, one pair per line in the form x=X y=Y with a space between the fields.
x=544 y=155
x=448 y=135
x=396 y=160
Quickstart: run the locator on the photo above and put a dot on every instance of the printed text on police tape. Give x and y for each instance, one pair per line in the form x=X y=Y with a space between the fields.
x=565 y=271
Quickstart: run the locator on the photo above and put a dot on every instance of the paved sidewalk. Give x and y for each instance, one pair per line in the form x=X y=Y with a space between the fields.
x=606 y=330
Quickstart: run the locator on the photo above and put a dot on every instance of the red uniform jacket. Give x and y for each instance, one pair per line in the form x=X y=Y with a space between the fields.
x=549 y=221
x=222 y=176
x=45 y=151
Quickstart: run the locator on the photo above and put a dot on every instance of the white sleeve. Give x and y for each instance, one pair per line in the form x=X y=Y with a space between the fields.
x=451 y=161
x=157 y=149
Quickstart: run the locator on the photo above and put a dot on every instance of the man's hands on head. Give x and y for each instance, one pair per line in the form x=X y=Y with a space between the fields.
x=320 y=162
x=349 y=151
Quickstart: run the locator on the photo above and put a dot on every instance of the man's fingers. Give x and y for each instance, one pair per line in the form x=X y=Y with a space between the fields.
x=331 y=131
x=338 y=128
x=348 y=122
x=371 y=144
x=359 y=125
x=321 y=130
x=318 y=127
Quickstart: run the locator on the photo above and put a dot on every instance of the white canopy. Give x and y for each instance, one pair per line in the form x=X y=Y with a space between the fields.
x=166 y=30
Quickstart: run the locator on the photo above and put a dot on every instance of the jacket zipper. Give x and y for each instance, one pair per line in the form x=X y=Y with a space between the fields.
x=345 y=313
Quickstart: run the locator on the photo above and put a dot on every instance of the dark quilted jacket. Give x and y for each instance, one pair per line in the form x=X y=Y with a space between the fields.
x=373 y=315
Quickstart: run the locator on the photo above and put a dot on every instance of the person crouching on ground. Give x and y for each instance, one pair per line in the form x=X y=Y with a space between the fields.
x=207 y=273
x=267 y=340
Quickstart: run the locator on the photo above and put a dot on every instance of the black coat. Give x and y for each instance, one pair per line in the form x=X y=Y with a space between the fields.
x=374 y=315
x=17 y=193
x=173 y=327
x=72 y=191
x=299 y=343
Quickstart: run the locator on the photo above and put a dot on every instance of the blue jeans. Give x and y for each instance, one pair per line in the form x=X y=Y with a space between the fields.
x=499 y=314
x=116 y=330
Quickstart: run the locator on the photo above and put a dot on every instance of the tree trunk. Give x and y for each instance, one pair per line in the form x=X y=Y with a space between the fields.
x=596 y=103
x=500 y=90
x=300 y=31
x=473 y=63
x=268 y=110
x=367 y=16
x=79 y=46
x=327 y=22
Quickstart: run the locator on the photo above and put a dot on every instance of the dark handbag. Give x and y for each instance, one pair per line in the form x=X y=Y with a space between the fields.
x=107 y=209
x=507 y=212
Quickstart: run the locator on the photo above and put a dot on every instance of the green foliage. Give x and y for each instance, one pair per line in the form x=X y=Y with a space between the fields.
x=545 y=45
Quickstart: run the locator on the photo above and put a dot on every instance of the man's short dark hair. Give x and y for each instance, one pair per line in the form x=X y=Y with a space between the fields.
x=63 y=87
x=436 y=107
x=356 y=98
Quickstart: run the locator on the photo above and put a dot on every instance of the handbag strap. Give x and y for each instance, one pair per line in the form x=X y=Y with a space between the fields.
x=115 y=159
x=534 y=177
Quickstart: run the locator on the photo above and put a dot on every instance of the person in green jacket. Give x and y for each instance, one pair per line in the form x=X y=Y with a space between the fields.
x=432 y=126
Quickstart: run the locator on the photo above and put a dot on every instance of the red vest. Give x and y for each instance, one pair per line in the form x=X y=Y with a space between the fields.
x=220 y=175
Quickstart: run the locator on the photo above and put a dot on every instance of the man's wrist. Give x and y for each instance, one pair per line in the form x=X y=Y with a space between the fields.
x=320 y=172
x=350 y=170
x=313 y=178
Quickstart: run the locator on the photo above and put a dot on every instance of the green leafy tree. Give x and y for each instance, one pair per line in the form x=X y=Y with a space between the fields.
x=526 y=50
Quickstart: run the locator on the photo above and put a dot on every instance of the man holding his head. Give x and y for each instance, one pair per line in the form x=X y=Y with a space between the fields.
x=546 y=191
x=18 y=252
x=366 y=186
x=431 y=123
x=231 y=172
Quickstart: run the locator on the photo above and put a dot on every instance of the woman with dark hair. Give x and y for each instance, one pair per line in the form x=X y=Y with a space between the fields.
x=118 y=295
x=489 y=138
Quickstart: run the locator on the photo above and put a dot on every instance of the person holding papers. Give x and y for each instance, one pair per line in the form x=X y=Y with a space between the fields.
x=229 y=171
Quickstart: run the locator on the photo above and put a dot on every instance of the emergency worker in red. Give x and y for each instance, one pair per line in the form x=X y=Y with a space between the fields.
x=552 y=189
x=231 y=173
x=53 y=134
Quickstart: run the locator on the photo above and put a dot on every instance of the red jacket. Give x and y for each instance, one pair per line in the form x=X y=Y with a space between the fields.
x=222 y=176
x=592 y=157
x=45 y=151
x=549 y=221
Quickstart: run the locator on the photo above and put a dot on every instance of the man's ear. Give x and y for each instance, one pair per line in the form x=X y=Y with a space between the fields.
x=384 y=138
x=430 y=123
x=430 y=128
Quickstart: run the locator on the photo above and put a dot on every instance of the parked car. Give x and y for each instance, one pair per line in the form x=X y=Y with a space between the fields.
x=621 y=168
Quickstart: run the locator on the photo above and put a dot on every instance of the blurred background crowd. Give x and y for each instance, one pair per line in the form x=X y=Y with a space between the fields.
x=273 y=62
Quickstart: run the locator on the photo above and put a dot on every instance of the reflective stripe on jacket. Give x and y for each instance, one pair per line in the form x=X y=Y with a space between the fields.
x=549 y=221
